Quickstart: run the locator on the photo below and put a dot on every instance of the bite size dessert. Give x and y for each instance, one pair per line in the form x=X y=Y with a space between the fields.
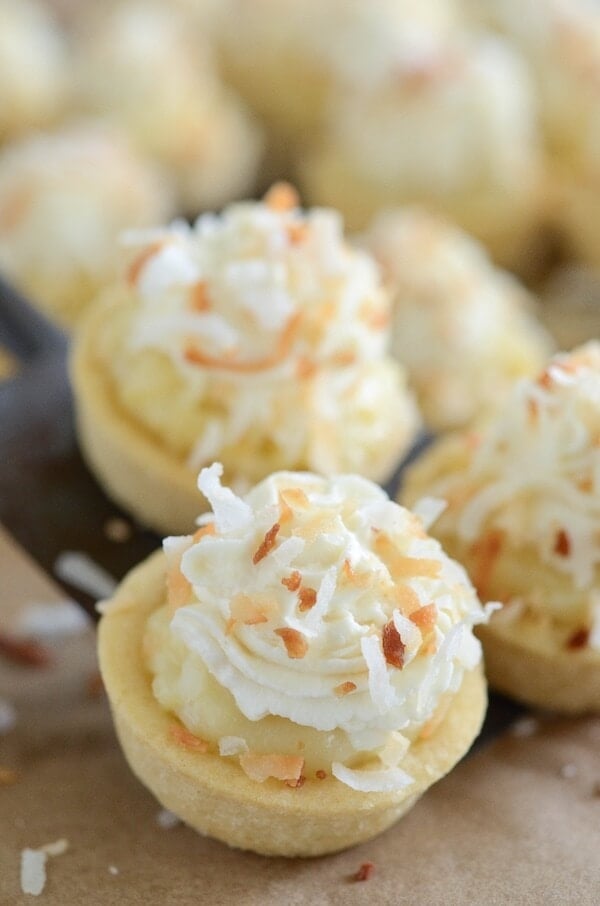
x=308 y=49
x=523 y=518
x=293 y=676
x=64 y=198
x=143 y=65
x=448 y=122
x=258 y=336
x=560 y=41
x=463 y=329
x=33 y=70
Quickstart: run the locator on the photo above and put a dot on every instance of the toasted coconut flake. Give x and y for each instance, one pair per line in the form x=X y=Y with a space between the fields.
x=293 y=581
x=205 y=531
x=182 y=736
x=179 y=589
x=297 y=232
x=295 y=498
x=404 y=597
x=307 y=597
x=372 y=781
x=295 y=643
x=296 y=784
x=195 y=356
x=578 y=639
x=562 y=543
x=232 y=745
x=352 y=576
x=281 y=767
x=139 y=263
x=365 y=872
x=344 y=688
x=26 y=653
x=402 y=567
x=252 y=610
x=199 y=297
x=424 y=617
x=33 y=871
x=267 y=544
x=393 y=646
x=486 y=552
x=282 y=197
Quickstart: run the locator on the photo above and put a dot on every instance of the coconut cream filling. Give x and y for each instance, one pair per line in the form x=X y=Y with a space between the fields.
x=320 y=607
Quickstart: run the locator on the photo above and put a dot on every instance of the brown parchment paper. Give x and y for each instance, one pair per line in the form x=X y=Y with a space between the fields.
x=506 y=827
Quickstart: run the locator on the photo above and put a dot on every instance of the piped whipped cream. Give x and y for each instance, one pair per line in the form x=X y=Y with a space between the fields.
x=323 y=603
x=257 y=287
x=265 y=334
x=534 y=475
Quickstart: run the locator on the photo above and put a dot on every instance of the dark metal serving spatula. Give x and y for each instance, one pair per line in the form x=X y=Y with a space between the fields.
x=48 y=499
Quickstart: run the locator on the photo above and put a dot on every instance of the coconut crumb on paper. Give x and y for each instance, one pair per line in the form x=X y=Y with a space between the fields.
x=51 y=620
x=166 y=819
x=568 y=771
x=113 y=870
x=365 y=872
x=33 y=865
x=80 y=571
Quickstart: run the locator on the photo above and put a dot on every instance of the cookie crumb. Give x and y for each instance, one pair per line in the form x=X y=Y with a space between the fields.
x=524 y=727
x=117 y=530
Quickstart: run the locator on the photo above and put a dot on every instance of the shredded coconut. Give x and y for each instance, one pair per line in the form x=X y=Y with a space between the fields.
x=167 y=820
x=232 y=745
x=387 y=781
x=33 y=871
x=80 y=571
x=52 y=620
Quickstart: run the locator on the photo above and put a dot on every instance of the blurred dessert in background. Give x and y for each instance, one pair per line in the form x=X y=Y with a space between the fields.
x=463 y=329
x=447 y=121
x=141 y=65
x=34 y=78
x=64 y=198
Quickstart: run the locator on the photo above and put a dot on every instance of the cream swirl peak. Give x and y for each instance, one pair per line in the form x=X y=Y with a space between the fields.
x=324 y=603
x=262 y=286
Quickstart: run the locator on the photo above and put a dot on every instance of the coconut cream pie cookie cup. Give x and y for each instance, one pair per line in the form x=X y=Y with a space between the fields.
x=464 y=329
x=258 y=336
x=449 y=122
x=65 y=197
x=293 y=676
x=523 y=517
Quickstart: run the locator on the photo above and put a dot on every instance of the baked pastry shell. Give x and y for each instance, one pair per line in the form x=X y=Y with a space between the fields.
x=212 y=794
x=130 y=463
